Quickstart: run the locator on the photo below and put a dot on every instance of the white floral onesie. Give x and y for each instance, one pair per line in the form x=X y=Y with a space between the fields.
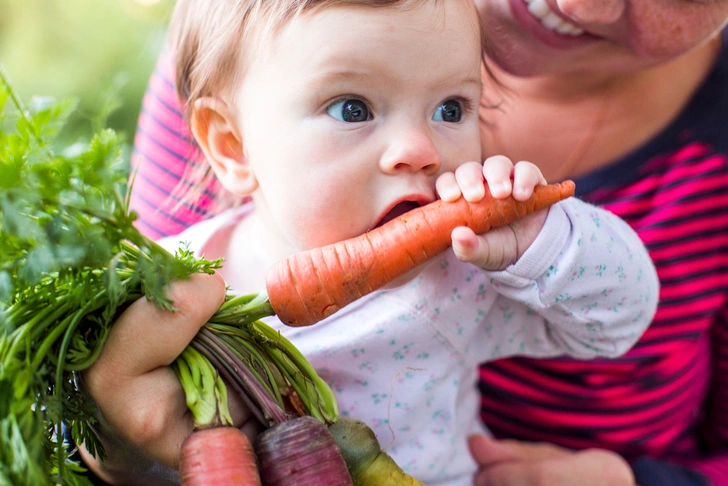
x=405 y=359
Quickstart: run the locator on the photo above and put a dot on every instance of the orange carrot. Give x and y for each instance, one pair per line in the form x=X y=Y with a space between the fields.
x=309 y=286
x=219 y=456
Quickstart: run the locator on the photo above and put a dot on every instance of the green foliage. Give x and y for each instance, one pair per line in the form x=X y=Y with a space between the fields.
x=70 y=262
x=101 y=52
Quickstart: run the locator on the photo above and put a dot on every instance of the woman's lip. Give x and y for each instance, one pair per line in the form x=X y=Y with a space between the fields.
x=536 y=29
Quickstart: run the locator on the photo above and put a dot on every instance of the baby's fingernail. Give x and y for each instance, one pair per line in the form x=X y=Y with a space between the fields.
x=501 y=188
x=474 y=193
x=449 y=195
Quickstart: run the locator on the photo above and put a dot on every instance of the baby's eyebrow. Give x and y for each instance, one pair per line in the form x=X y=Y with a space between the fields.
x=474 y=80
x=333 y=76
x=344 y=75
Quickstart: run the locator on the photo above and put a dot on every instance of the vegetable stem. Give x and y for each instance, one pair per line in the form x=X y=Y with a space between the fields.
x=204 y=390
x=59 y=389
x=265 y=409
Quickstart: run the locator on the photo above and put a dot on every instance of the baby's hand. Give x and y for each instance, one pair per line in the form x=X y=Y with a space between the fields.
x=499 y=247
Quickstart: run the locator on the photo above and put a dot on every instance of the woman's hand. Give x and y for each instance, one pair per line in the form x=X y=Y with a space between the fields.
x=137 y=392
x=515 y=463
x=499 y=247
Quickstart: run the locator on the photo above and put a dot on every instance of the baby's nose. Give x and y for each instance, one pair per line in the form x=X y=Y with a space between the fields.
x=413 y=150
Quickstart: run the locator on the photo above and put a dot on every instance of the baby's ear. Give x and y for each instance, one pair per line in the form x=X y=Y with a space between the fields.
x=216 y=131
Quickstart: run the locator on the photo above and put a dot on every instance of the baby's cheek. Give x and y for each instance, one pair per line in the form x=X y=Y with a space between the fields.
x=316 y=227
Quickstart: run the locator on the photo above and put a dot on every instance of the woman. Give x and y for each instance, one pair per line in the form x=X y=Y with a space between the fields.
x=626 y=97
x=634 y=110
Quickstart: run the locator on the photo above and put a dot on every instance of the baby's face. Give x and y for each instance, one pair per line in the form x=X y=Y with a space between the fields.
x=348 y=114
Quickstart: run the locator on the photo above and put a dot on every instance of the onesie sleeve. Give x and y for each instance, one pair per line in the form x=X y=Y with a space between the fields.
x=587 y=284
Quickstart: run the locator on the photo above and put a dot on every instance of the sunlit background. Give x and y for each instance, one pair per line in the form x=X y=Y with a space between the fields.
x=100 y=52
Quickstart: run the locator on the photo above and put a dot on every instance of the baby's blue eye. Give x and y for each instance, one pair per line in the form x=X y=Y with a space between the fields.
x=449 y=111
x=350 y=111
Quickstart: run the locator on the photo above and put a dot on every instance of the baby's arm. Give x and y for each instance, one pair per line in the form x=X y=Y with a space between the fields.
x=574 y=279
x=586 y=285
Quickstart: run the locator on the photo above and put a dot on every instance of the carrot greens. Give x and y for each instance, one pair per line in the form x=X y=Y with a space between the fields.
x=71 y=261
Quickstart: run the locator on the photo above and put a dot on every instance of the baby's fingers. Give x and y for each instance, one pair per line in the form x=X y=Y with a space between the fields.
x=526 y=176
x=465 y=244
x=467 y=180
x=447 y=187
x=469 y=177
x=497 y=171
x=493 y=251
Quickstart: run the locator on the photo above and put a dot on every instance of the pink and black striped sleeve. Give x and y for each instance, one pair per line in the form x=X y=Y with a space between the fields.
x=715 y=430
x=710 y=469
x=167 y=164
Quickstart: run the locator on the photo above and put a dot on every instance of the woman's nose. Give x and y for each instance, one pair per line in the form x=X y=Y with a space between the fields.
x=592 y=11
x=411 y=150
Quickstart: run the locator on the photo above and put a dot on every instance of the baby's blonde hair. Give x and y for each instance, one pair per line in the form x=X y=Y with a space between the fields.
x=208 y=38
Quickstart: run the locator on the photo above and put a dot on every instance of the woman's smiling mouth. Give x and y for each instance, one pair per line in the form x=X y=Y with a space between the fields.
x=549 y=19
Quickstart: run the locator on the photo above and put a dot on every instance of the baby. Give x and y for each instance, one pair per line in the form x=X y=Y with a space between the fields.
x=335 y=116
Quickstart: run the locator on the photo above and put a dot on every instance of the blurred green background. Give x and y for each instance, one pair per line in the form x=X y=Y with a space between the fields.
x=99 y=52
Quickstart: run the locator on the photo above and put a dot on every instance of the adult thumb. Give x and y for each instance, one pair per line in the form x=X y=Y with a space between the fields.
x=488 y=452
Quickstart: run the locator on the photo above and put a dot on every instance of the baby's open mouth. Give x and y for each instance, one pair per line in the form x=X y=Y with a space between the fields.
x=398 y=210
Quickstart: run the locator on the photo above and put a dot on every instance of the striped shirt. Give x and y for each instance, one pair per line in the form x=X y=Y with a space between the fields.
x=667 y=398
x=172 y=185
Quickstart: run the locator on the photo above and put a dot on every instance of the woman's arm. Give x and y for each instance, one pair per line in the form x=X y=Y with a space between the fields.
x=516 y=463
x=143 y=416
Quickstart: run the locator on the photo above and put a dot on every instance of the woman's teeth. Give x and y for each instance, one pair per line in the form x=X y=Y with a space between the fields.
x=541 y=10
